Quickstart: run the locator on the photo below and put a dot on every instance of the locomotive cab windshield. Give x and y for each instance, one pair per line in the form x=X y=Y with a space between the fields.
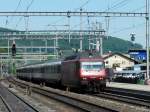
x=92 y=65
x=92 y=69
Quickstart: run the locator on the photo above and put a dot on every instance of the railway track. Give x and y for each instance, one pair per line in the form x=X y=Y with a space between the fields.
x=13 y=103
x=72 y=101
x=125 y=99
x=140 y=98
x=145 y=95
x=131 y=103
x=133 y=97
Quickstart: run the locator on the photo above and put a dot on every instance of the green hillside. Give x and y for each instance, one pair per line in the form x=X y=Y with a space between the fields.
x=119 y=45
x=112 y=44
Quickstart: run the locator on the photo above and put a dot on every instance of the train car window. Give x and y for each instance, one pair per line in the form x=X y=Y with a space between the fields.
x=55 y=69
x=24 y=71
x=52 y=69
x=42 y=70
x=49 y=69
x=58 y=69
x=39 y=70
x=33 y=70
x=27 y=71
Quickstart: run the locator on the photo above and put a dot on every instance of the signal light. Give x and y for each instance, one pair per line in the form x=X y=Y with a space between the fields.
x=13 y=49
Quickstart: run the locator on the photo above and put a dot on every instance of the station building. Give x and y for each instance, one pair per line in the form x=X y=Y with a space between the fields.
x=119 y=61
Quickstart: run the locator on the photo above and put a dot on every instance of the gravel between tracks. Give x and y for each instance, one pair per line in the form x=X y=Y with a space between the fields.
x=121 y=107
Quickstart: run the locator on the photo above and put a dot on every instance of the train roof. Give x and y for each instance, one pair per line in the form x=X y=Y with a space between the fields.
x=82 y=55
x=75 y=56
x=52 y=62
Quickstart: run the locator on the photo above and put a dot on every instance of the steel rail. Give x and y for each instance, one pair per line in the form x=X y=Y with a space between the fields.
x=6 y=104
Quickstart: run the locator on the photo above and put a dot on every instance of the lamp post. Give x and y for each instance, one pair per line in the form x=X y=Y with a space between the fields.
x=1 y=65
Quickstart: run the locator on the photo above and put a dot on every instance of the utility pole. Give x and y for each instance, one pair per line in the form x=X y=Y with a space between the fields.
x=26 y=28
x=46 y=46
x=101 y=46
x=8 y=48
x=27 y=24
x=81 y=29
x=56 y=47
x=88 y=21
x=69 y=25
x=107 y=26
x=101 y=40
x=1 y=65
x=147 y=37
x=97 y=37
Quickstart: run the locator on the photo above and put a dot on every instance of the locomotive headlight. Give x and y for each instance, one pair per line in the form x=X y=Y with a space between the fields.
x=84 y=78
x=101 y=78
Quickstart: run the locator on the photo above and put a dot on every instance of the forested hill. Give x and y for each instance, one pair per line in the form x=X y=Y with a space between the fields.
x=5 y=29
x=112 y=44
x=119 y=45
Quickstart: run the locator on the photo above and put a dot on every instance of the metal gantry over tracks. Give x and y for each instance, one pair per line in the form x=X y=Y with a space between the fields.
x=70 y=13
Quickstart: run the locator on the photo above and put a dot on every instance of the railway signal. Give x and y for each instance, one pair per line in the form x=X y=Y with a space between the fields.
x=13 y=49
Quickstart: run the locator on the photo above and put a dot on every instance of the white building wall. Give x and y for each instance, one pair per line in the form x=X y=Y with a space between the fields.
x=117 y=59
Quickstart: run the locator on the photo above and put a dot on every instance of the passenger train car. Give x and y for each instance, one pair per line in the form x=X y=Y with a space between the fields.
x=73 y=72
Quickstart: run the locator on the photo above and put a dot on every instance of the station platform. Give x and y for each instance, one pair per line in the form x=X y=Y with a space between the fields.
x=129 y=86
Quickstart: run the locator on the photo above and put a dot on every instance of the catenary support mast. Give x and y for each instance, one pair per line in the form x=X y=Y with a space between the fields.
x=147 y=37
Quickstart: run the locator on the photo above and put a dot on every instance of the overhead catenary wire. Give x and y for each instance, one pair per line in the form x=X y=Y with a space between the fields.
x=11 y=19
x=76 y=9
x=115 y=5
x=19 y=3
x=128 y=28
x=27 y=9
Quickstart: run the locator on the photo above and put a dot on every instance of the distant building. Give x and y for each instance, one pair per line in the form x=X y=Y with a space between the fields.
x=138 y=55
x=118 y=61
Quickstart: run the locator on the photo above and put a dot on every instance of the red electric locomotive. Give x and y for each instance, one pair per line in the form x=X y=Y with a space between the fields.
x=84 y=73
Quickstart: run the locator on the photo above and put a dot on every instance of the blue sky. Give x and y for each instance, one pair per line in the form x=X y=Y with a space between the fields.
x=119 y=27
